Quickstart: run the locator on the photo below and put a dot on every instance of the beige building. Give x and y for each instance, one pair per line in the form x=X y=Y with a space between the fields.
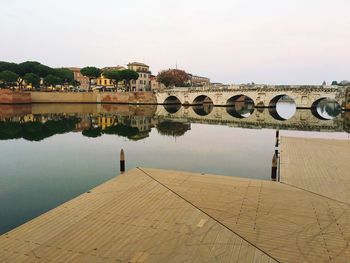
x=155 y=84
x=84 y=81
x=143 y=82
x=102 y=81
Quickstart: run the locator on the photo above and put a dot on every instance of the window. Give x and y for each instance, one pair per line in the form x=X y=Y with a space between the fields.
x=105 y=82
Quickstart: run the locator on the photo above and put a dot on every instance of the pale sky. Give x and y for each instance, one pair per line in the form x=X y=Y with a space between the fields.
x=231 y=41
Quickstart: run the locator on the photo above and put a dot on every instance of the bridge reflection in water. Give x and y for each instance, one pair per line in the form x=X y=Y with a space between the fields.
x=37 y=122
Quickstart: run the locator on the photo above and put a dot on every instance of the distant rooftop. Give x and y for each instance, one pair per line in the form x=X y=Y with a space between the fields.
x=137 y=64
x=113 y=68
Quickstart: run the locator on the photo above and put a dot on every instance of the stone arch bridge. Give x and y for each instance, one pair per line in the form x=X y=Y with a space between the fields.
x=261 y=95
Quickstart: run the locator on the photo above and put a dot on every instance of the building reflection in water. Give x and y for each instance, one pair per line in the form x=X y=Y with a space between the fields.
x=136 y=122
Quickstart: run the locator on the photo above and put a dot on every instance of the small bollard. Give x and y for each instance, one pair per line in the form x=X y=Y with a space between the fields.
x=274 y=168
x=122 y=161
x=277 y=138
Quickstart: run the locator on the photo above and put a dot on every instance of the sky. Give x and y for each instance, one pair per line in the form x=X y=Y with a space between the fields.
x=229 y=41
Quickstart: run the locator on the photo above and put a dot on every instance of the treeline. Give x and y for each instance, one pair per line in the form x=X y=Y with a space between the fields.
x=115 y=75
x=35 y=74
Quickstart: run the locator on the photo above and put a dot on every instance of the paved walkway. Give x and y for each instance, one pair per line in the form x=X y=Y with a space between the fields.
x=317 y=165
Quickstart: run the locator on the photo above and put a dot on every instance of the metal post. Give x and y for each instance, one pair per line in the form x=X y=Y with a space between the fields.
x=277 y=138
x=274 y=167
x=122 y=161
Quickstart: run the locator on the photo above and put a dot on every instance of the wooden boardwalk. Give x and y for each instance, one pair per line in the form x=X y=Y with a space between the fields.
x=152 y=215
x=317 y=165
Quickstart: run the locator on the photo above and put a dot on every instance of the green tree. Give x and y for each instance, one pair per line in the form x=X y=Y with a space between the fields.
x=173 y=77
x=114 y=75
x=9 y=66
x=33 y=79
x=129 y=75
x=64 y=75
x=34 y=67
x=51 y=80
x=8 y=78
x=334 y=83
x=91 y=73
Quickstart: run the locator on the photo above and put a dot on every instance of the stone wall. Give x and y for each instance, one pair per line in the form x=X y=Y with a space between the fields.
x=128 y=97
x=94 y=97
x=64 y=97
x=11 y=97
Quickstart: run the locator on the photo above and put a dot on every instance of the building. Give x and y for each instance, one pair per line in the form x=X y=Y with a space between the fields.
x=198 y=81
x=105 y=82
x=155 y=84
x=143 y=82
x=84 y=81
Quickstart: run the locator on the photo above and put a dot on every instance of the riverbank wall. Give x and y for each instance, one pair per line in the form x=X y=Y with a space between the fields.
x=10 y=97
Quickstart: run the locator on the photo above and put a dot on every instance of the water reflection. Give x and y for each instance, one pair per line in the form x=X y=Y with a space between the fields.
x=283 y=108
x=172 y=108
x=203 y=110
x=173 y=128
x=241 y=109
x=135 y=123
x=36 y=128
x=326 y=109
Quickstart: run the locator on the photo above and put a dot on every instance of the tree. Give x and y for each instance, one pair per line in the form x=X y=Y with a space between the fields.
x=64 y=75
x=51 y=80
x=34 y=67
x=128 y=75
x=9 y=66
x=334 y=83
x=33 y=79
x=114 y=75
x=9 y=78
x=91 y=73
x=173 y=77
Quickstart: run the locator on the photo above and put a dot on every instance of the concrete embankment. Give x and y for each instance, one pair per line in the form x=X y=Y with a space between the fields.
x=9 y=97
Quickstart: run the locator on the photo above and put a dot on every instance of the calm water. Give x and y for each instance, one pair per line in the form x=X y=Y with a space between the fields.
x=52 y=153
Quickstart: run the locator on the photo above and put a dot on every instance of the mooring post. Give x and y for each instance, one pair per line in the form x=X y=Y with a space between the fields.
x=277 y=138
x=274 y=167
x=122 y=161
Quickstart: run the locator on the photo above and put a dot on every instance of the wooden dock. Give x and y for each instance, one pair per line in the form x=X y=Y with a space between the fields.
x=152 y=215
x=317 y=165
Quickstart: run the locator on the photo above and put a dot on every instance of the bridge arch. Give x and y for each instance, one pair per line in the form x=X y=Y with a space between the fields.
x=172 y=108
x=172 y=100
x=325 y=108
x=240 y=106
x=202 y=99
x=241 y=98
x=203 y=110
x=282 y=107
x=280 y=98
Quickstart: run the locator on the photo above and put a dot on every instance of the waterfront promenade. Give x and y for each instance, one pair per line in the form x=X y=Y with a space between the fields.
x=152 y=215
